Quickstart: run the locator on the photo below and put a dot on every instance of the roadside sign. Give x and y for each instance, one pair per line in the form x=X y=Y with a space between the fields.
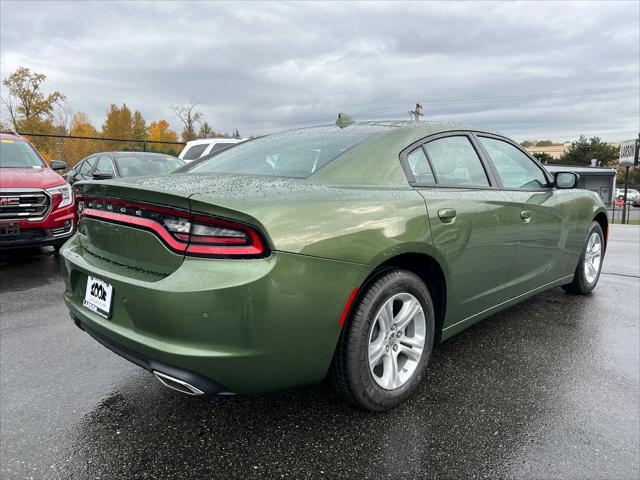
x=628 y=153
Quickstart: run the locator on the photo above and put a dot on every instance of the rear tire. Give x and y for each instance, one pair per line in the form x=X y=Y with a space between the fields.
x=589 y=266
x=386 y=343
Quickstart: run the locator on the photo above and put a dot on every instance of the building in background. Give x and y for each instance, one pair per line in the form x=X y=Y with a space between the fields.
x=597 y=179
x=555 y=151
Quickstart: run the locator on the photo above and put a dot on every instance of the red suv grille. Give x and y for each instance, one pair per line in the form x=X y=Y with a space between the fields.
x=23 y=204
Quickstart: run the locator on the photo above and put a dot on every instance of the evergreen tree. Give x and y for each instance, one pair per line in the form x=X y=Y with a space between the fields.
x=139 y=126
x=582 y=151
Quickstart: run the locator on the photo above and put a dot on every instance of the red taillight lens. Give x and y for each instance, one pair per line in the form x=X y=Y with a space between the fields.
x=181 y=231
x=215 y=236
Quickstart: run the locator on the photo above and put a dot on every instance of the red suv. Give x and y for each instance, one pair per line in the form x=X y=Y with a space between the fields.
x=36 y=204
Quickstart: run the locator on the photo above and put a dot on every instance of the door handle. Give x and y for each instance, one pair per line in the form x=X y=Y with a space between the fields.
x=525 y=215
x=447 y=215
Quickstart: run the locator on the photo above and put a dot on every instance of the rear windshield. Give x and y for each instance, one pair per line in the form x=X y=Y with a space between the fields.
x=297 y=153
x=18 y=154
x=140 y=165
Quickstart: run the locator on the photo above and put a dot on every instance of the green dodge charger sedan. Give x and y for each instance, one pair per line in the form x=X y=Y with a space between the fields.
x=346 y=251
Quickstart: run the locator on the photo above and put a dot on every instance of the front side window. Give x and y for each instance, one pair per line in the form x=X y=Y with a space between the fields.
x=86 y=166
x=420 y=167
x=298 y=153
x=19 y=154
x=456 y=162
x=515 y=169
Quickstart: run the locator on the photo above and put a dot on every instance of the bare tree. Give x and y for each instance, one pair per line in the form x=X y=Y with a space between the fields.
x=62 y=116
x=190 y=118
x=206 y=131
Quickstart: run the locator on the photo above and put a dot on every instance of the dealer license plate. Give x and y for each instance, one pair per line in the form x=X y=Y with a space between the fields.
x=97 y=297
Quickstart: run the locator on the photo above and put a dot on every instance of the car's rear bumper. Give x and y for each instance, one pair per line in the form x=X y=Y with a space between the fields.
x=204 y=385
x=248 y=326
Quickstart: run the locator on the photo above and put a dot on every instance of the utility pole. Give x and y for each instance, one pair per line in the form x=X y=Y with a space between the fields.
x=417 y=113
x=624 y=201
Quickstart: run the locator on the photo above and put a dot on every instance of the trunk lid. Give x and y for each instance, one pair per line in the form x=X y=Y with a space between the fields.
x=123 y=244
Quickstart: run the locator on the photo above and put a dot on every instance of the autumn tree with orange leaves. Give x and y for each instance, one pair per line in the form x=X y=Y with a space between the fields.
x=74 y=149
x=160 y=131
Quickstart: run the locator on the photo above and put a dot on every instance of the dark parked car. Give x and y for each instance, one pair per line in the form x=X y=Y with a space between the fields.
x=107 y=165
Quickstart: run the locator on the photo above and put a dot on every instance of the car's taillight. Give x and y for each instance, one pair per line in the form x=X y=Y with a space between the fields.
x=198 y=235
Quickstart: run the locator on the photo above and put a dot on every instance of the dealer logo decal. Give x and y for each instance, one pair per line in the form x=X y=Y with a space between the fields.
x=98 y=291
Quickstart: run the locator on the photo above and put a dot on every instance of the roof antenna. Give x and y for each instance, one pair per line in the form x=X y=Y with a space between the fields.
x=344 y=120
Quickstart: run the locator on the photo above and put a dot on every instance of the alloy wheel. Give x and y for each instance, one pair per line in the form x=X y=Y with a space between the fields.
x=396 y=341
x=593 y=257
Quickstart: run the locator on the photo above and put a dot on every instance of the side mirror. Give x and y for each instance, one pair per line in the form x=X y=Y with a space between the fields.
x=566 y=180
x=58 y=165
x=102 y=176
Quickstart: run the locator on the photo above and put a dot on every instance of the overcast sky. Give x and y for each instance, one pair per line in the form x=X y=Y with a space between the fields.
x=531 y=70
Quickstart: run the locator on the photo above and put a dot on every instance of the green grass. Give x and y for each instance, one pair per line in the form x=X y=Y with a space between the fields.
x=630 y=222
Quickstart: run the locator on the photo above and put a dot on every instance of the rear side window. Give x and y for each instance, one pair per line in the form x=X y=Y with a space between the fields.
x=420 y=167
x=219 y=146
x=456 y=162
x=515 y=169
x=196 y=151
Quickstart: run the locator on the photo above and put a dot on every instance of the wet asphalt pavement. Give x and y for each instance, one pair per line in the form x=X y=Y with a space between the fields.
x=546 y=389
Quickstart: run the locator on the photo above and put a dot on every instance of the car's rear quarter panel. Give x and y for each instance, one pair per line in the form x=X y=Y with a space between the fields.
x=350 y=224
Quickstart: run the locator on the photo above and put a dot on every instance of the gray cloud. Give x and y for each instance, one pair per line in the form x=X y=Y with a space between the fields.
x=263 y=67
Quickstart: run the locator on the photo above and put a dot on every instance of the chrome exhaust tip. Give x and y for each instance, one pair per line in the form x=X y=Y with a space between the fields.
x=177 y=384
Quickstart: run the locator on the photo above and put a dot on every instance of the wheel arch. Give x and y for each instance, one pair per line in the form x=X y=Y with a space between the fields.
x=429 y=271
x=603 y=221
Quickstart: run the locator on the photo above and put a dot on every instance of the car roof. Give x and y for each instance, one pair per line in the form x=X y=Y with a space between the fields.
x=407 y=128
x=373 y=154
x=424 y=128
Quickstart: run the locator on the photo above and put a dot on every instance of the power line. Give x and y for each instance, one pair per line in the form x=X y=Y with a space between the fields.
x=382 y=109
x=537 y=96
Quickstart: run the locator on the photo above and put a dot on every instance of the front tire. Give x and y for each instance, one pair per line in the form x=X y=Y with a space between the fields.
x=589 y=266
x=386 y=343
